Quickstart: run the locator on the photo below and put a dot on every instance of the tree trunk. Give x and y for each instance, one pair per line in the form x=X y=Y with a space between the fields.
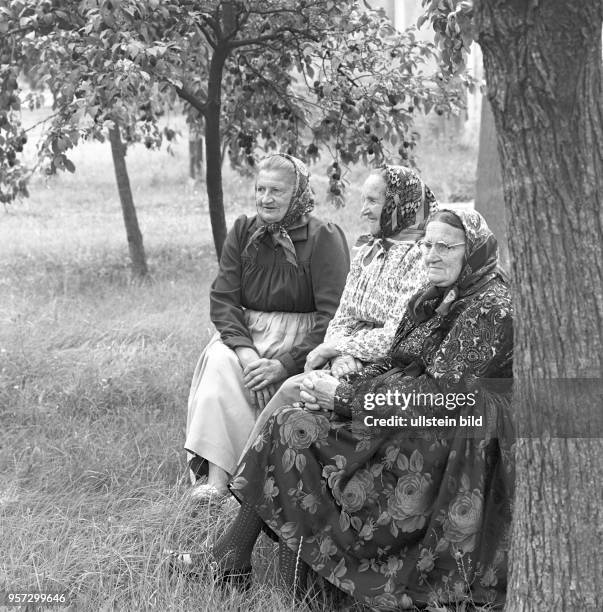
x=137 y=254
x=195 y=151
x=213 y=151
x=542 y=62
x=489 y=197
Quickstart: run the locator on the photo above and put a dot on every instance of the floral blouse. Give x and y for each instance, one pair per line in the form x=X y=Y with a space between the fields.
x=374 y=299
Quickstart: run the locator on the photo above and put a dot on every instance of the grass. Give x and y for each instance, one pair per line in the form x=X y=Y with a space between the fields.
x=94 y=375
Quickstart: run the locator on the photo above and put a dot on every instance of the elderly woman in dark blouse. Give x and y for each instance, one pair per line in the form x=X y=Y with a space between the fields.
x=281 y=275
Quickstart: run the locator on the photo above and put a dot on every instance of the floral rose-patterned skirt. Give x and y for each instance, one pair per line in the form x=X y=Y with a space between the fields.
x=392 y=520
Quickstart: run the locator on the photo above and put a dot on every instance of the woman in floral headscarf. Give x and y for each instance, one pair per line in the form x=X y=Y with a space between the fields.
x=404 y=511
x=281 y=275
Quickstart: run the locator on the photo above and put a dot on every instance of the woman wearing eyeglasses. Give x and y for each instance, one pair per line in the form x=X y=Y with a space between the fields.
x=394 y=484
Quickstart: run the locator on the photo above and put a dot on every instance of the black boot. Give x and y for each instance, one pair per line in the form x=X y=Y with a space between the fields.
x=232 y=552
x=293 y=571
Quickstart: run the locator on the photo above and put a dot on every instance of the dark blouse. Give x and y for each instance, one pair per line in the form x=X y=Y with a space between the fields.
x=269 y=283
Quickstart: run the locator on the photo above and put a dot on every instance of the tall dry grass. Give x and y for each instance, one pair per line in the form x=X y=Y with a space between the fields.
x=94 y=375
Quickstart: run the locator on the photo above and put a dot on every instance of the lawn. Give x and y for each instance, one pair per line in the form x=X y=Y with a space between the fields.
x=94 y=375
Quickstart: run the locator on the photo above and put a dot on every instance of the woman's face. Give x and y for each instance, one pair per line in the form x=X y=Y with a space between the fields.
x=373 y=200
x=273 y=193
x=443 y=265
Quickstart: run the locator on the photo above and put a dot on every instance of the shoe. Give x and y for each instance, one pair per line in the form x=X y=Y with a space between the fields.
x=207 y=494
x=185 y=564
x=229 y=577
x=189 y=565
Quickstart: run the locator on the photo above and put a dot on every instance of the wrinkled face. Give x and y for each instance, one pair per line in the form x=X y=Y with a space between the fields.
x=443 y=268
x=273 y=193
x=373 y=200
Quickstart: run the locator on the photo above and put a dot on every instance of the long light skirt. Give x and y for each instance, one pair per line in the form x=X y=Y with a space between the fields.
x=220 y=411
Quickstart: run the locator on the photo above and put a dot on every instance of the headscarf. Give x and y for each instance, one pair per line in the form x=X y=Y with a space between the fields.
x=302 y=202
x=480 y=267
x=405 y=194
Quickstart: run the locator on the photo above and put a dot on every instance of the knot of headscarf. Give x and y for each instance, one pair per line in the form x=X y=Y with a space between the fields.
x=405 y=194
x=480 y=267
x=302 y=202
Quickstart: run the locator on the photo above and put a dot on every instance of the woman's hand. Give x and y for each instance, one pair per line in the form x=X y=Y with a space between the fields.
x=345 y=364
x=246 y=356
x=261 y=398
x=317 y=390
x=262 y=373
x=319 y=356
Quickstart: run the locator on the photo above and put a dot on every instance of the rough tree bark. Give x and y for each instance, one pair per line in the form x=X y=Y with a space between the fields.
x=542 y=61
x=489 y=197
x=135 y=245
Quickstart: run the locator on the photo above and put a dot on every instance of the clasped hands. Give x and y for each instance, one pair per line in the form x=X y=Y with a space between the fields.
x=260 y=375
x=317 y=390
x=340 y=364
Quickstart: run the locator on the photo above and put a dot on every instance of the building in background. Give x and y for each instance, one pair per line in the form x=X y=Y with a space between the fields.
x=404 y=14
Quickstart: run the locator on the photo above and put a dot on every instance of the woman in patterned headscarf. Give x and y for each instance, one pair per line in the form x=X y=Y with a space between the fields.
x=362 y=485
x=281 y=275
x=386 y=270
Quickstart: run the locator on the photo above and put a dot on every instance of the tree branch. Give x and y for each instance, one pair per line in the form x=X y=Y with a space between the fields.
x=274 y=37
x=190 y=97
x=17 y=31
x=280 y=11
x=42 y=121
x=244 y=18
x=286 y=98
x=211 y=42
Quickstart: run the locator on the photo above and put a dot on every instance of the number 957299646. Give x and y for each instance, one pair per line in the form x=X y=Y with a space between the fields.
x=24 y=597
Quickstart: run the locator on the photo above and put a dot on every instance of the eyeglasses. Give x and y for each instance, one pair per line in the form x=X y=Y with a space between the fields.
x=441 y=248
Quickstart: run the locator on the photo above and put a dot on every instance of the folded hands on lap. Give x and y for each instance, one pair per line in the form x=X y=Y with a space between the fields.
x=260 y=375
x=317 y=390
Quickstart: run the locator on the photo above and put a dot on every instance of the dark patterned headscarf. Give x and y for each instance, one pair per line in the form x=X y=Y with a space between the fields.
x=302 y=202
x=480 y=267
x=405 y=194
